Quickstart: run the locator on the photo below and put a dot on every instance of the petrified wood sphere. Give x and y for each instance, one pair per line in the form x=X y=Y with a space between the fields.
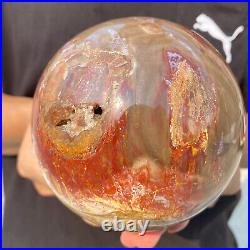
x=138 y=118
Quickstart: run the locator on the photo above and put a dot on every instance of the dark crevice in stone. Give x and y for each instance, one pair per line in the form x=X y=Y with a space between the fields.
x=63 y=122
x=97 y=110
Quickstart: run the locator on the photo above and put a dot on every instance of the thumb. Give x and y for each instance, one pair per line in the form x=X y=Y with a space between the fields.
x=148 y=240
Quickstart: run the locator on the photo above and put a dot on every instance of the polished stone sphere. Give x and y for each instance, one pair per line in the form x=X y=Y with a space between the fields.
x=138 y=118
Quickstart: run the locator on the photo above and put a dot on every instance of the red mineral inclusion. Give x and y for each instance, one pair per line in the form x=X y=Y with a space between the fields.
x=143 y=156
x=92 y=176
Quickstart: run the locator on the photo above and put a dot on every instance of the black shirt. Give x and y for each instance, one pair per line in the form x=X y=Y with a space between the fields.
x=32 y=33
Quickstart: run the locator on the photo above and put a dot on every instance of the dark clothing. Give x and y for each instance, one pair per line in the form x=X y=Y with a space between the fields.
x=32 y=33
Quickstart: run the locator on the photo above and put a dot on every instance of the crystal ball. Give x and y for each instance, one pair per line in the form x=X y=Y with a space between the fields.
x=138 y=118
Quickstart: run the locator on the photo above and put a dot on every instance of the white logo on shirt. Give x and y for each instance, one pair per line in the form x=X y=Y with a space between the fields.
x=206 y=24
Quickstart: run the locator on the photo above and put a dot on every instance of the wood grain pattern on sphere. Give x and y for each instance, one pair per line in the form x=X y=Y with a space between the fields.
x=128 y=121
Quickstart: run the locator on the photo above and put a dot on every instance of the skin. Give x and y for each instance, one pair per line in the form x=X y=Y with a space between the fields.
x=16 y=140
x=16 y=117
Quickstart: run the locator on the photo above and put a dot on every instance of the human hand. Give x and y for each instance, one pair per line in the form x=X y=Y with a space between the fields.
x=150 y=238
x=28 y=165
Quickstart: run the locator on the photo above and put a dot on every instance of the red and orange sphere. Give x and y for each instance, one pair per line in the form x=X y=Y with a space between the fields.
x=138 y=118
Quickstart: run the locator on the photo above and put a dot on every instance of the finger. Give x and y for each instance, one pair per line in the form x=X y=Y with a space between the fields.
x=43 y=190
x=32 y=172
x=148 y=240
x=21 y=170
x=33 y=165
x=27 y=161
x=177 y=227
x=37 y=176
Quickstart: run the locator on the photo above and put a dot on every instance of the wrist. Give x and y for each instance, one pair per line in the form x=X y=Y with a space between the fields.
x=16 y=117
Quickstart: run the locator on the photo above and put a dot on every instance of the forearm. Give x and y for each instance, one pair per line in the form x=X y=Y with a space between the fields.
x=16 y=115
